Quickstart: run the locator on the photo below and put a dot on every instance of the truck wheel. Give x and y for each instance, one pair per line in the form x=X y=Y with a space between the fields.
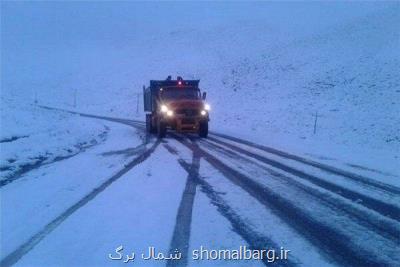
x=161 y=129
x=148 y=123
x=203 y=129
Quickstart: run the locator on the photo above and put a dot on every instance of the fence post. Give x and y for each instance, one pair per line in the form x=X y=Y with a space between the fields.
x=75 y=92
x=137 y=104
x=36 y=100
x=315 y=122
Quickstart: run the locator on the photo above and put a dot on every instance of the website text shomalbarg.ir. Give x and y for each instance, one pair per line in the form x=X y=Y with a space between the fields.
x=242 y=253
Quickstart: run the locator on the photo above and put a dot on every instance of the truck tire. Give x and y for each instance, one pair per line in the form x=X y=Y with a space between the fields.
x=203 y=129
x=161 y=129
x=148 y=123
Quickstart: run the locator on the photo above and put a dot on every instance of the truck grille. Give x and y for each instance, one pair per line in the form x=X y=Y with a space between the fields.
x=187 y=121
x=188 y=112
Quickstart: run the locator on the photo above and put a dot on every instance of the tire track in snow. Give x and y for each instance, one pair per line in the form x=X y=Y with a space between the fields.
x=43 y=160
x=255 y=240
x=332 y=244
x=181 y=234
x=382 y=226
x=330 y=169
x=381 y=207
x=17 y=254
x=321 y=166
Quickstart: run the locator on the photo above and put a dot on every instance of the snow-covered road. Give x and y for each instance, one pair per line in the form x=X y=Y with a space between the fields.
x=185 y=193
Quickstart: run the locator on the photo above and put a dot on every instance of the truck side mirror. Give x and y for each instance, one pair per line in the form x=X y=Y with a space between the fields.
x=204 y=96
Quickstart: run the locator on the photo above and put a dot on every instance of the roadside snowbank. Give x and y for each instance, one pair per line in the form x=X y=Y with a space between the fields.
x=32 y=136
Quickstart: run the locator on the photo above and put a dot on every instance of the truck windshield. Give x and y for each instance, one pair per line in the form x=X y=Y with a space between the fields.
x=180 y=93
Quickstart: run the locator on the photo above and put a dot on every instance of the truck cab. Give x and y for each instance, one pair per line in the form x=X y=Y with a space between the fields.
x=175 y=105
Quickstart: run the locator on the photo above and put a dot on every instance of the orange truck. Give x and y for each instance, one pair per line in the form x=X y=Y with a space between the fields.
x=175 y=105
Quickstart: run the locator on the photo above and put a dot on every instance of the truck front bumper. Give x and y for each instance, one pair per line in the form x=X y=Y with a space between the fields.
x=185 y=124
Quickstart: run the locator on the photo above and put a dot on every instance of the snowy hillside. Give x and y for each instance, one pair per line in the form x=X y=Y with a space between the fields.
x=268 y=67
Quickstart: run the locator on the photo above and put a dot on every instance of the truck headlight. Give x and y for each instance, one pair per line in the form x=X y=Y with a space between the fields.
x=203 y=112
x=170 y=113
x=207 y=107
x=164 y=108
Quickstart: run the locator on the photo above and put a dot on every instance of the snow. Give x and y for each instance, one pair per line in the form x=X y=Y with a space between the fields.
x=269 y=68
x=378 y=177
x=278 y=64
x=32 y=136
x=205 y=217
x=138 y=211
x=359 y=236
x=45 y=192
x=264 y=220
